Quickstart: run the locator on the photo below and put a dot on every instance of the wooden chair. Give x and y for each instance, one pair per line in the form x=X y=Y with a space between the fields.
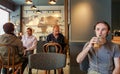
x=57 y=49
x=47 y=61
x=39 y=47
x=9 y=63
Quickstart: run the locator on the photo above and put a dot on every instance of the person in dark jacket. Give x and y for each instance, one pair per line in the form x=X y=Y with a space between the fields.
x=56 y=36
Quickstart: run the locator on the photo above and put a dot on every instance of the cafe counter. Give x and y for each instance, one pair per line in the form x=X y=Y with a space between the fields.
x=116 y=39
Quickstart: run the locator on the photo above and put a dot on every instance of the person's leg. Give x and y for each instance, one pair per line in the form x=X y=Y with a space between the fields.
x=60 y=71
x=29 y=53
x=30 y=71
x=25 y=62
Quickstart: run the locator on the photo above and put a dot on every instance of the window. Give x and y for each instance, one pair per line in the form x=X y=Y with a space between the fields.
x=4 y=17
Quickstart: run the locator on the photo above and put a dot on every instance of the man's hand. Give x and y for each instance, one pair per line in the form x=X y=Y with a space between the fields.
x=116 y=71
x=24 y=52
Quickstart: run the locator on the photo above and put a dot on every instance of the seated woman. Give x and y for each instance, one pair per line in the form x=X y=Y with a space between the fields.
x=9 y=38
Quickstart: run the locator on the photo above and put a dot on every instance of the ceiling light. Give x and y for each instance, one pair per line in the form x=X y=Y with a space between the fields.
x=38 y=11
x=52 y=2
x=33 y=7
x=28 y=1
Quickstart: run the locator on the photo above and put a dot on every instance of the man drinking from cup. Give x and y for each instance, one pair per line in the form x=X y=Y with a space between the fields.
x=103 y=54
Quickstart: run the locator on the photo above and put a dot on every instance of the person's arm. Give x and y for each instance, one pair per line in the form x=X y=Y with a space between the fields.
x=116 y=60
x=83 y=54
x=48 y=38
x=117 y=66
x=61 y=40
x=85 y=51
x=19 y=44
x=34 y=44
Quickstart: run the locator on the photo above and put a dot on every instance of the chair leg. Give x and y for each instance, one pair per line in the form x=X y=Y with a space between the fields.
x=13 y=70
x=17 y=70
x=7 y=71
x=54 y=71
x=21 y=70
x=30 y=71
x=60 y=71
x=37 y=72
x=45 y=71
x=48 y=71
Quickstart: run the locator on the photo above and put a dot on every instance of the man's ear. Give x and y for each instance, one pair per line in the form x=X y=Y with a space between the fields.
x=109 y=32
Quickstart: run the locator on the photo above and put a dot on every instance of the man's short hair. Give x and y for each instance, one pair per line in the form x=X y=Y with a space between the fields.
x=55 y=26
x=29 y=29
x=8 y=27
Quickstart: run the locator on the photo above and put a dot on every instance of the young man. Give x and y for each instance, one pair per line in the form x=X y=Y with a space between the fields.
x=29 y=43
x=105 y=58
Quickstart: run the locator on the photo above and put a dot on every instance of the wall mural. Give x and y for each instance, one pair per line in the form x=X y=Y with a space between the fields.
x=43 y=22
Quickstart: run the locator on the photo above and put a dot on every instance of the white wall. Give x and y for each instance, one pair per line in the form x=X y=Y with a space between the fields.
x=4 y=17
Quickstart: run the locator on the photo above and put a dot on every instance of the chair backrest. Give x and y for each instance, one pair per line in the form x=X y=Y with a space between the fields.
x=39 y=47
x=47 y=61
x=48 y=47
x=10 y=55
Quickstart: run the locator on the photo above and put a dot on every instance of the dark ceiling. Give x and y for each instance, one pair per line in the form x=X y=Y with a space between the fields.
x=13 y=4
x=116 y=0
x=42 y=2
x=36 y=2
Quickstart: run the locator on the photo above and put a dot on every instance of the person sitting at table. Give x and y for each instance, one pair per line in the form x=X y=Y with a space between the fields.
x=29 y=43
x=57 y=37
x=103 y=55
x=9 y=38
